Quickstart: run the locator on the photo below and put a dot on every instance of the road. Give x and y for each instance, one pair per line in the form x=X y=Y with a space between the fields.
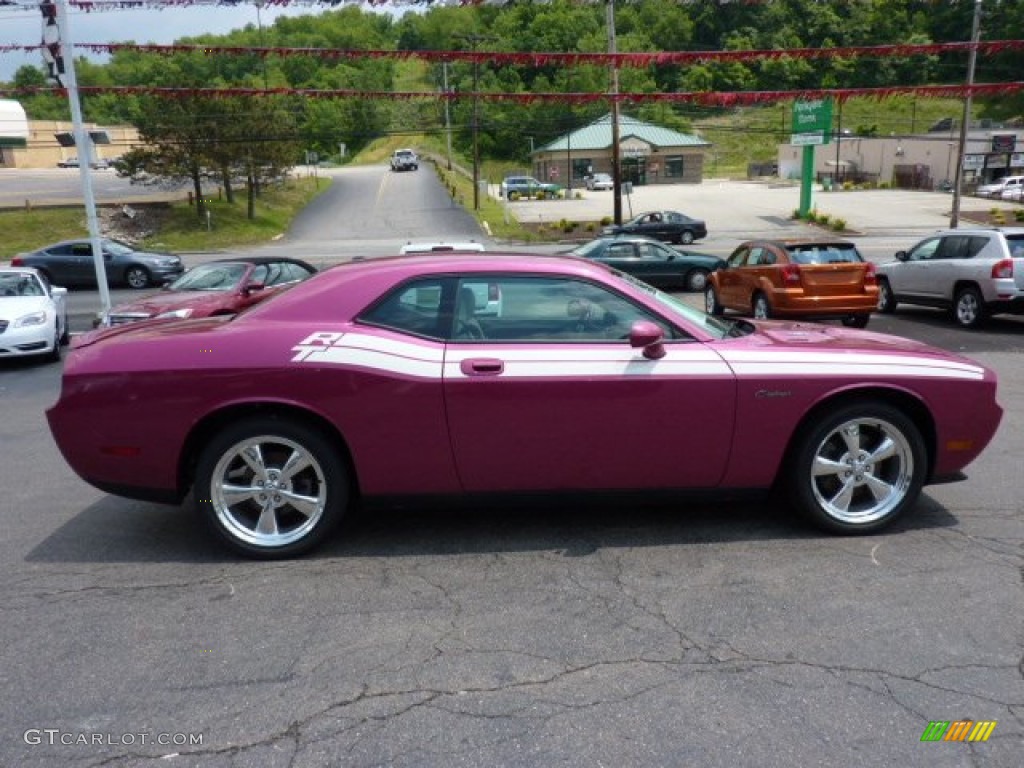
x=615 y=634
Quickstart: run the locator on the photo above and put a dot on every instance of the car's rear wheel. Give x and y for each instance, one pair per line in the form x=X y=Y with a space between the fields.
x=137 y=277
x=969 y=308
x=762 y=309
x=886 y=298
x=271 y=488
x=711 y=303
x=858 y=468
x=686 y=237
x=696 y=280
x=856 y=321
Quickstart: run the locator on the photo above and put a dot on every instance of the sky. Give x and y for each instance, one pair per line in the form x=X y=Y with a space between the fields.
x=164 y=26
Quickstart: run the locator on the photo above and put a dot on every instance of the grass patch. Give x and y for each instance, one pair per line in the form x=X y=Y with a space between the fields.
x=27 y=229
x=276 y=207
x=180 y=229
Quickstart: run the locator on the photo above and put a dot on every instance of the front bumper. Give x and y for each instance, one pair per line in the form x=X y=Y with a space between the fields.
x=24 y=342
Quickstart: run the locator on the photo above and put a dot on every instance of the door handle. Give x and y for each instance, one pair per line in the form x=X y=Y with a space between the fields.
x=482 y=366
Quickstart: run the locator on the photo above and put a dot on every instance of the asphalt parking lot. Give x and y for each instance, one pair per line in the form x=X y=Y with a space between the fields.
x=601 y=633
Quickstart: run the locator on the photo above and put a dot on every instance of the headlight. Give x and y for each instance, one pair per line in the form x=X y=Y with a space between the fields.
x=169 y=262
x=181 y=314
x=25 y=321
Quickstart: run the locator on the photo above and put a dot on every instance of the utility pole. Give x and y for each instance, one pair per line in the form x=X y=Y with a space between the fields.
x=447 y=116
x=965 y=122
x=474 y=40
x=616 y=164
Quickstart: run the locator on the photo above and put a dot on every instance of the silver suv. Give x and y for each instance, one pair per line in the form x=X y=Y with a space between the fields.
x=974 y=272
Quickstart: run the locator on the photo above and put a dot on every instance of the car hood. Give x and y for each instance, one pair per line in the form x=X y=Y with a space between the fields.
x=13 y=307
x=201 y=302
x=830 y=338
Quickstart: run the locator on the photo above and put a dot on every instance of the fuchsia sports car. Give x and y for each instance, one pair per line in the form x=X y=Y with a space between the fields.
x=382 y=378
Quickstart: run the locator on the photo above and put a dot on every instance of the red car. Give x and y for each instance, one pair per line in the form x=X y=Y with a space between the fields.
x=381 y=378
x=223 y=287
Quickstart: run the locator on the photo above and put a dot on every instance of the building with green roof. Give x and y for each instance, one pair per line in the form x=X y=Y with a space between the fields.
x=650 y=154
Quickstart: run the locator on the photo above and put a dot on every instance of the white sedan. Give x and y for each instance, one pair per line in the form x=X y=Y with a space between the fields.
x=33 y=314
x=600 y=181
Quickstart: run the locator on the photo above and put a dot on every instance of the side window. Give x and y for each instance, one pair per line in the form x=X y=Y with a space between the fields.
x=925 y=251
x=414 y=308
x=620 y=251
x=649 y=251
x=975 y=245
x=260 y=275
x=952 y=247
x=540 y=309
x=757 y=257
x=81 y=249
x=739 y=257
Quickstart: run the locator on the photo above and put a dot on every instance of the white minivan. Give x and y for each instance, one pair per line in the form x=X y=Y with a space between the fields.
x=1006 y=184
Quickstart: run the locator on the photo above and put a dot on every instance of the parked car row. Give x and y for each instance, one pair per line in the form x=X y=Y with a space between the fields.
x=1007 y=188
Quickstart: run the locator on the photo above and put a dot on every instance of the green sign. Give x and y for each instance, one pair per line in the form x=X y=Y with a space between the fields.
x=812 y=122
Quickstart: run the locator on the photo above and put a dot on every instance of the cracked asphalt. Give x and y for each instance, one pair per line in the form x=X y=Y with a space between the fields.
x=562 y=634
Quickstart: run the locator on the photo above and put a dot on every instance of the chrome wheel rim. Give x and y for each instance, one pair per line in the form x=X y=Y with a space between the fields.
x=697 y=280
x=709 y=301
x=967 y=308
x=862 y=470
x=761 y=308
x=137 y=278
x=268 y=491
x=884 y=296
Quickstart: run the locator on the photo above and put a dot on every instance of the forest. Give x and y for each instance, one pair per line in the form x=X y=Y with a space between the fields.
x=275 y=120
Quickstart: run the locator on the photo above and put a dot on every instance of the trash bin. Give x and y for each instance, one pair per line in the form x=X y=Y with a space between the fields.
x=826 y=183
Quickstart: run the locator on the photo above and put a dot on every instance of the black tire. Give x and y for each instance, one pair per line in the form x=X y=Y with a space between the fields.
x=685 y=237
x=137 y=277
x=760 y=307
x=696 y=280
x=833 y=481
x=711 y=304
x=886 y=298
x=290 y=529
x=65 y=337
x=969 y=309
x=53 y=355
x=856 y=321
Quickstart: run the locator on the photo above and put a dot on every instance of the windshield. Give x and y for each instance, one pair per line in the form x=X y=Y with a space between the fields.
x=717 y=327
x=210 y=277
x=592 y=248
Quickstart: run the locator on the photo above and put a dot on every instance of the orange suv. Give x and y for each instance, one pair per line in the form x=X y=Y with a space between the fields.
x=795 y=278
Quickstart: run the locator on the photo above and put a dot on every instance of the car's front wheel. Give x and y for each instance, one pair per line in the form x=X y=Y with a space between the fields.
x=886 y=298
x=969 y=307
x=858 y=468
x=686 y=237
x=271 y=488
x=711 y=304
x=137 y=277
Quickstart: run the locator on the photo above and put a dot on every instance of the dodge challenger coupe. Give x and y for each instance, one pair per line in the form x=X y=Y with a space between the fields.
x=382 y=378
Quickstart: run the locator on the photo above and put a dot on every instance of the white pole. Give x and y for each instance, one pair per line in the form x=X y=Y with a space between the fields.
x=82 y=143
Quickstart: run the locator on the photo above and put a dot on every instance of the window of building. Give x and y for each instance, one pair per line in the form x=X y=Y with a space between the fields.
x=674 y=166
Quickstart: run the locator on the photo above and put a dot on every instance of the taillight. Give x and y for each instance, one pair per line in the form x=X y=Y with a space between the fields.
x=791 y=273
x=17 y=261
x=493 y=292
x=1002 y=268
x=870 y=278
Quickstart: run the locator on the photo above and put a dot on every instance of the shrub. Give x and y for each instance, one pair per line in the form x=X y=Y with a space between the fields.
x=847 y=185
x=569 y=227
x=606 y=220
x=563 y=223
x=591 y=226
x=513 y=195
x=796 y=213
x=838 y=225
x=1019 y=215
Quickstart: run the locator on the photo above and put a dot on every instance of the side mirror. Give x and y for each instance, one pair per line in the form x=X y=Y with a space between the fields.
x=901 y=255
x=252 y=287
x=647 y=336
x=57 y=290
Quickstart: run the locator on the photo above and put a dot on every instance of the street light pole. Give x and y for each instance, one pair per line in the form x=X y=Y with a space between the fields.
x=616 y=169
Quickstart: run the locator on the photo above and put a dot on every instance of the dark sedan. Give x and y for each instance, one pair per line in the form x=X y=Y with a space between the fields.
x=670 y=226
x=223 y=287
x=652 y=261
x=70 y=263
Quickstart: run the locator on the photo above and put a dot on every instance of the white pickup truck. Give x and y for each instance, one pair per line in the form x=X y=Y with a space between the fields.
x=404 y=160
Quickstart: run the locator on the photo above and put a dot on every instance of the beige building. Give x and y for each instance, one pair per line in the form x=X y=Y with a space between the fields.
x=921 y=161
x=35 y=144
